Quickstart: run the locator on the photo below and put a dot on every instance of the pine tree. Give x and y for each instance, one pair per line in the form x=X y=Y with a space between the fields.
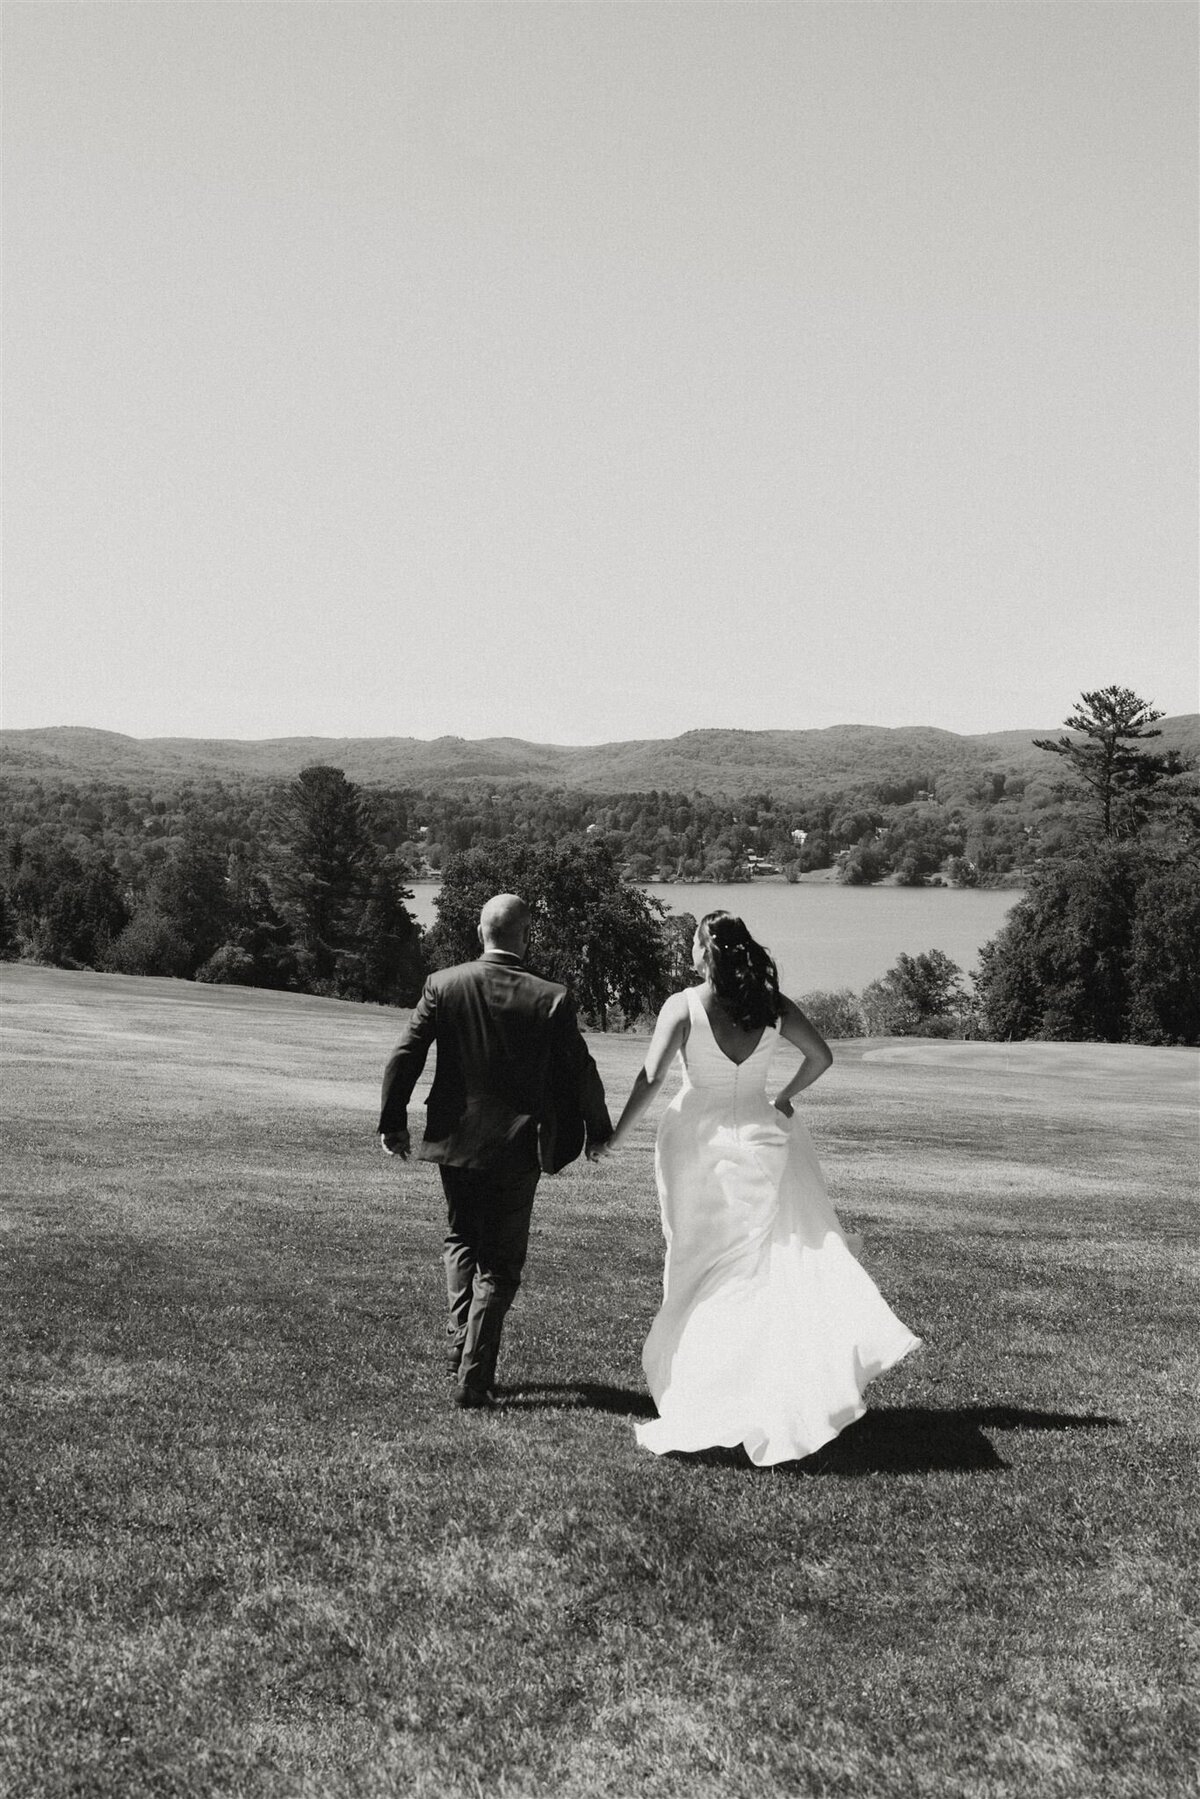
x=322 y=873
x=1121 y=778
x=393 y=966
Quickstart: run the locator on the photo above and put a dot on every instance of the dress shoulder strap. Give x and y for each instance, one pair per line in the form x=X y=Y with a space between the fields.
x=696 y=1011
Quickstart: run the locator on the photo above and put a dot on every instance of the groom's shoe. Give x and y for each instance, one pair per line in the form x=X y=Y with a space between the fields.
x=474 y=1399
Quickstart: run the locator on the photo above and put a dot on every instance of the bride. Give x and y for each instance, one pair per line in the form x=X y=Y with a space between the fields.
x=769 y=1329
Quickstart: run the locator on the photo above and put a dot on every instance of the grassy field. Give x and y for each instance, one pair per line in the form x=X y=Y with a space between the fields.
x=251 y=1549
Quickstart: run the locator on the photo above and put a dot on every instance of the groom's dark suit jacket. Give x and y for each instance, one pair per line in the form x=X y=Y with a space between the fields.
x=514 y=1082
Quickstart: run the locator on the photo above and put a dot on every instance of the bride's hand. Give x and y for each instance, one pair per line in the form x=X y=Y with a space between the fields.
x=785 y=1106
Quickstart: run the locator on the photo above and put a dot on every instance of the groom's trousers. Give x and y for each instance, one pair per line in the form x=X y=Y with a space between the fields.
x=487 y=1235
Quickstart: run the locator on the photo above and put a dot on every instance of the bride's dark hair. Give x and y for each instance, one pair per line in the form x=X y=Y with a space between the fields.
x=742 y=972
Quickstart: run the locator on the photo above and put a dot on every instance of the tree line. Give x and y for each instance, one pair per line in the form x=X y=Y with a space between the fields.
x=320 y=906
x=303 y=887
x=987 y=830
x=1105 y=945
x=311 y=902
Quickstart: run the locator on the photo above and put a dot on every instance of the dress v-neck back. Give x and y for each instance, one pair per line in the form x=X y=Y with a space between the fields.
x=766 y=1037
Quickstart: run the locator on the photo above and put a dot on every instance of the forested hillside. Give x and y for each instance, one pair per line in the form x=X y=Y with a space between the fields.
x=871 y=804
x=273 y=865
x=991 y=830
x=717 y=763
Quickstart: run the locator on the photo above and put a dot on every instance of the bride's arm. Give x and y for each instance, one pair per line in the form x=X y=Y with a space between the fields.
x=670 y=1034
x=805 y=1037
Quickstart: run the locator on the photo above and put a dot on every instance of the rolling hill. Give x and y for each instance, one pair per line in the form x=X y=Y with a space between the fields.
x=719 y=762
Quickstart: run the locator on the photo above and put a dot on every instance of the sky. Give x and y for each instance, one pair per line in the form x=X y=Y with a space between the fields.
x=583 y=372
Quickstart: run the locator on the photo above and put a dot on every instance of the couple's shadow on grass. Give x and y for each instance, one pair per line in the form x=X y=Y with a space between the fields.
x=902 y=1439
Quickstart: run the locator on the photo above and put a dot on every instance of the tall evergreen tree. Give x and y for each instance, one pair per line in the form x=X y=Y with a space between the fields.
x=257 y=951
x=1120 y=778
x=1103 y=946
x=189 y=891
x=392 y=969
x=322 y=873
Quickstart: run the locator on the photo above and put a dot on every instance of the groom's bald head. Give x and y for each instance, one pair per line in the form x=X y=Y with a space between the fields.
x=504 y=924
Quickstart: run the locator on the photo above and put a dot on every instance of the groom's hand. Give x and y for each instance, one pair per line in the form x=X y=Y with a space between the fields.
x=395 y=1143
x=599 y=1149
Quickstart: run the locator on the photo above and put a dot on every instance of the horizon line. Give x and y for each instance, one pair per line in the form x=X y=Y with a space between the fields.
x=542 y=743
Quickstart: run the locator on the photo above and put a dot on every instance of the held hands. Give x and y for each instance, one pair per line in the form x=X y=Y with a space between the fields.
x=399 y=1144
x=785 y=1106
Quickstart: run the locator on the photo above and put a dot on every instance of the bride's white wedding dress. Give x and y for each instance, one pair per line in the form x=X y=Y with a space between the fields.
x=769 y=1329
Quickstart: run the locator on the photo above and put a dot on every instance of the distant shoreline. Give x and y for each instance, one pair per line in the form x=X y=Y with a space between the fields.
x=816 y=877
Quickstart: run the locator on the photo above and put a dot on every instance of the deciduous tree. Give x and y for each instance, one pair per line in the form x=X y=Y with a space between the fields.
x=1059 y=968
x=1164 y=957
x=836 y=1014
x=919 y=996
x=591 y=929
x=62 y=908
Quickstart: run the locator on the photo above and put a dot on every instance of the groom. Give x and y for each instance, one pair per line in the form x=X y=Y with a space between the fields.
x=514 y=1093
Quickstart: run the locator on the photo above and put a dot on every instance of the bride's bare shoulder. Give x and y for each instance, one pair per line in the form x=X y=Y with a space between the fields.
x=675 y=1015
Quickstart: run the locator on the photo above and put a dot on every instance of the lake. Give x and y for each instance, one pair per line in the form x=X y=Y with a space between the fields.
x=823 y=935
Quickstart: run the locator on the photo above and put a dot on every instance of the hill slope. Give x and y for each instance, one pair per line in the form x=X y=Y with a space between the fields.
x=710 y=761
x=257 y=1540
